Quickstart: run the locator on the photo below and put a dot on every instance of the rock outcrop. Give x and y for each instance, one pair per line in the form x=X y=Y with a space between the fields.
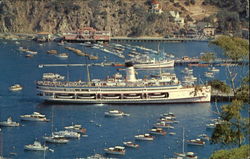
x=121 y=17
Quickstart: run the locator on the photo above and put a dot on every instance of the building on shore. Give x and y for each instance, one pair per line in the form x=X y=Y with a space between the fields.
x=87 y=34
x=43 y=37
x=209 y=30
x=155 y=7
x=175 y=17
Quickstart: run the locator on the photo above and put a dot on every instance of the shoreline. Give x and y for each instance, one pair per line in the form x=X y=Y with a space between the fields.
x=31 y=36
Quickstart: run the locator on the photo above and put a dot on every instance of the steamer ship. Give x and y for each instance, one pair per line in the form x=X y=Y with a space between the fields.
x=164 y=88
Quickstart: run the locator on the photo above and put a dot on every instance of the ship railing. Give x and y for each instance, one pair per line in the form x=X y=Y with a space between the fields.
x=93 y=84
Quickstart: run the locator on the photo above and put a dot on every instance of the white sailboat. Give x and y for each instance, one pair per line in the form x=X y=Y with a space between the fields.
x=185 y=155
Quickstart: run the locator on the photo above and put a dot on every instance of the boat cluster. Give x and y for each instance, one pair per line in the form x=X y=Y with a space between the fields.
x=211 y=72
x=57 y=137
x=28 y=117
x=165 y=122
x=29 y=53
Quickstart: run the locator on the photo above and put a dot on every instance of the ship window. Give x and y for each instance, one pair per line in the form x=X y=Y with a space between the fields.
x=167 y=95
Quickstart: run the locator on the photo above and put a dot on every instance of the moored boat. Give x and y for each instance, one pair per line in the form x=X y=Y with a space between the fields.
x=115 y=113
x=209 y=74
x=36 y=146
x=187 y=155
x=68 y=134
x=9 y=123
x=146 y=137
x=15 y=87
x=36 y=116
x=63 y=55
x=195 y=142
x=76 y=128
x=117 y=150
x=130 y=144
x=158 y=131
x=213 y=69
x=163 y=125
x=56 y=139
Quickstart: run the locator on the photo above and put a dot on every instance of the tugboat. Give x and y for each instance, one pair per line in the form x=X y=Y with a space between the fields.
x=146 y=137
x=117 y=150
x=34 y=117
x=36 y=146
x=130 y=144
x=9 y=123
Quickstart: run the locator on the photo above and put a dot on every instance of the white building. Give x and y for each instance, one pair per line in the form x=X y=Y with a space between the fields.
x=155 y=7
x=176 y=18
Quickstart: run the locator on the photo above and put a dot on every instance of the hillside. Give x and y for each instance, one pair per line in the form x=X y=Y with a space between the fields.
x=121 y=17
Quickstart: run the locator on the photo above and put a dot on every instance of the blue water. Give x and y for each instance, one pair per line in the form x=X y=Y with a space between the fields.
x=15 y=68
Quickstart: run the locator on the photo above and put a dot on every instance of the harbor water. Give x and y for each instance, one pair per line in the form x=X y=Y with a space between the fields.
x=102 y=132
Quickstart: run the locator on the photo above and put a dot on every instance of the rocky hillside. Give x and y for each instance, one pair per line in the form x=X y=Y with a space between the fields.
x=121 y=17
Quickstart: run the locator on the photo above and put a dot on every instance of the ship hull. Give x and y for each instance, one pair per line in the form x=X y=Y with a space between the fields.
x=172 y=95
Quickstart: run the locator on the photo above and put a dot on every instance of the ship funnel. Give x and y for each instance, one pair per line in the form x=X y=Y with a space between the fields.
x=130 y=73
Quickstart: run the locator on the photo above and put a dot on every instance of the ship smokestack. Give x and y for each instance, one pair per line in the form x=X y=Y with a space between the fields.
x=130 y=72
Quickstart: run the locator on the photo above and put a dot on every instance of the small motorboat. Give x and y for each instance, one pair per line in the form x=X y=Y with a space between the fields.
x=9 y=123
x=56 y=139
x=115 y=113
x=213 y=69
x=210 y=126
x=15 y=87
x=63 y=55
x=196 y=142
x=209 y=74
x=169 y=114
x=204 y=137
x=130 y=144
x=68 y=134
x=167 y=120
x=76 y=128
x=117 y=150
x=172 y=133
x=36 y=146
x=187 y=155
x=163 y=125
x=158 y=131
x=34 y=117
x=146 y=137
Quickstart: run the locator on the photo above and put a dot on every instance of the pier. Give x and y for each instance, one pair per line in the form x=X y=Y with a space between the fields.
x=221 y=97
x=154 y=39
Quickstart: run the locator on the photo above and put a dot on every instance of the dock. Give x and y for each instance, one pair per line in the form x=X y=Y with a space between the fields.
x=217 y=62
x=221 y=97
x=154 y=39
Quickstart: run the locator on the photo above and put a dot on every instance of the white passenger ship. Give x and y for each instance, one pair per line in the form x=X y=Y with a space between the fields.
x=163 y=89
x=153 y=64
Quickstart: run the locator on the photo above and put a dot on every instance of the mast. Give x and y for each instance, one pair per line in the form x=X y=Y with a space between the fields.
x=88 y=74
x=183 y=141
